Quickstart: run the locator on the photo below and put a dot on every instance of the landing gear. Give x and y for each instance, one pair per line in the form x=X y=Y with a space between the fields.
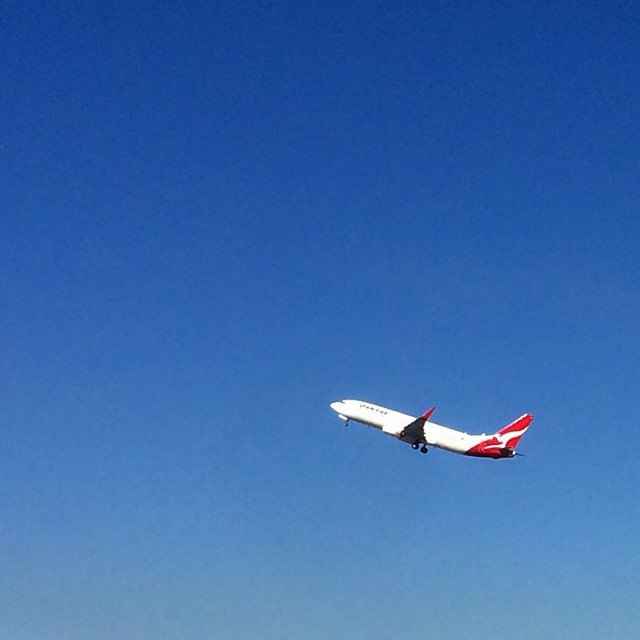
x=415 y=445
x=423 y=449
x=346 y=422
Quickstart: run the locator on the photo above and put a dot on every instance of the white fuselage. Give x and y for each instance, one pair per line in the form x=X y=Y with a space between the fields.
x=393 y=422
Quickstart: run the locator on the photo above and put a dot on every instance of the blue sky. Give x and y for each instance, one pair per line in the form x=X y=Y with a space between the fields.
x=217 y=219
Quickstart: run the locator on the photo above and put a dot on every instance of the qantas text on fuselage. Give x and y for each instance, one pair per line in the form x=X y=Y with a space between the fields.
x=421 y=433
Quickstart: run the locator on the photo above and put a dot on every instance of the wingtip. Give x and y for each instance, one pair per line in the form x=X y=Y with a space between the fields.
x=428 y=414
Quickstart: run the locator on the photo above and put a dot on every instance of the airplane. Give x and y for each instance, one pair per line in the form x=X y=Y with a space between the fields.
x=421 y=433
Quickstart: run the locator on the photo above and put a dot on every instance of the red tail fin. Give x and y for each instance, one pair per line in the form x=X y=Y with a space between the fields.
x=511 y=434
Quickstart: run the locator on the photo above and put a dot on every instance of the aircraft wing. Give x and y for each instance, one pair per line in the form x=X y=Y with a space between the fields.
x=415 y=429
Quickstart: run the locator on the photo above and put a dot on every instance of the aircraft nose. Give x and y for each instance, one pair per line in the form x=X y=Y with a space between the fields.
x=336 y=406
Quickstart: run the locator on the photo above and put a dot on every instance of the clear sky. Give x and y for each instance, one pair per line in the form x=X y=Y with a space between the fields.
x=217 y=218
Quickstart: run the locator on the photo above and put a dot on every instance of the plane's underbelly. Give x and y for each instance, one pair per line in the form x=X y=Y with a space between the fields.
x=392 y=423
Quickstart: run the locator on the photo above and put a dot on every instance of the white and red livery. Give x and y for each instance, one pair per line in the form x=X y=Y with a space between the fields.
x=421 y=433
